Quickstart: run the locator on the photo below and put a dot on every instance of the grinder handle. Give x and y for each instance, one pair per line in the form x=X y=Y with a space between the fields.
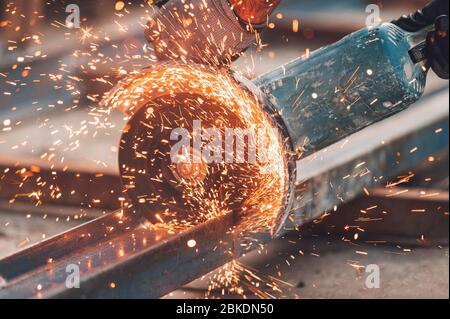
x=423 y=18
x=432 y=24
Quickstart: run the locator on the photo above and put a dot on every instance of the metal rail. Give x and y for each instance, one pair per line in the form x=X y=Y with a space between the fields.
x=372 y=157
x=135 y=262
x=19 y=179
x=395 y=215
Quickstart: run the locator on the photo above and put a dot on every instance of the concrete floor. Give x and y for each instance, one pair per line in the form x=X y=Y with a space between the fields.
x=335 y=269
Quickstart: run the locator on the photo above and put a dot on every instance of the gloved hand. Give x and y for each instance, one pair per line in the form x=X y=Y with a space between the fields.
x=437 y=41
x=206 y=31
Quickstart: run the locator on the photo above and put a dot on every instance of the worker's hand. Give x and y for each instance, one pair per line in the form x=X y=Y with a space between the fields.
x=206 y=31
x=437 y=47
x=437 y=41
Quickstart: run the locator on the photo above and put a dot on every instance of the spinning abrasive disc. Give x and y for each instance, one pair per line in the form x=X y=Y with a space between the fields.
x=247 y=179
x=195 y=188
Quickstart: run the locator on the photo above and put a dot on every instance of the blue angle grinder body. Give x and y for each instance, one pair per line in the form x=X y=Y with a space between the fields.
x=342 y=88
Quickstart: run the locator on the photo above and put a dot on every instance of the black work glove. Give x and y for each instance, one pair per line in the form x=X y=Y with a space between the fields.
x=435 y=13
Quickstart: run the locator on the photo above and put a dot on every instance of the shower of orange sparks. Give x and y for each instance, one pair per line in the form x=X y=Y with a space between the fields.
x=261 y=206
x=86 y=33
x=267 y=197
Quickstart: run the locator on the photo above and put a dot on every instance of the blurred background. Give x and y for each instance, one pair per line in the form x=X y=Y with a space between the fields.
x=58 y=150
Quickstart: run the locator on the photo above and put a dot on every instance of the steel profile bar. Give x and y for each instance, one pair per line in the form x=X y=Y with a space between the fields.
x=372 y=157
x=138 y=262
x=394 y=215
x=63 y=245
x=79 y=185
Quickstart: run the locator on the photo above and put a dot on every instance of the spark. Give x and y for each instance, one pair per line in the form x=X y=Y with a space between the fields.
x=191 y=243
x=236 y=278
x=295 y=25
x=86 y=34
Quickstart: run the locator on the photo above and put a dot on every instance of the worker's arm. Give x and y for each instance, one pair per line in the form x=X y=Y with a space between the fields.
x=207 y=31
x=436 y=12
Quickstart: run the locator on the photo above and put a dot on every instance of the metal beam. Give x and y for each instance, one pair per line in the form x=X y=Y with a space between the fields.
x=371 y=157
x=395 y=215
x=78 y=185
x=137 y=263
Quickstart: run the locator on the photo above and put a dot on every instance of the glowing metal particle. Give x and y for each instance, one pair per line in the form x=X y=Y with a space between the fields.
x=191 y=243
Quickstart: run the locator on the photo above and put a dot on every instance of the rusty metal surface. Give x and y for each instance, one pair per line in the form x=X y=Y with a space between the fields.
x=139 y=262
x=63 y=245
